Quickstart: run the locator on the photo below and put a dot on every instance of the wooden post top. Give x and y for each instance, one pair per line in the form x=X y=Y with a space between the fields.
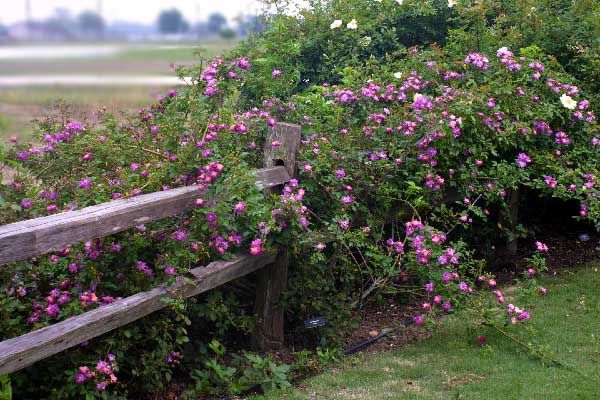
x=281 y=146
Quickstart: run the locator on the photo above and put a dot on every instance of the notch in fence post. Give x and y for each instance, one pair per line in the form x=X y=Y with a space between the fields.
x=272 y=280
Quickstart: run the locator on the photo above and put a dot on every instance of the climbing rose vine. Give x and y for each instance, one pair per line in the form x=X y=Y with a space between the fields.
x=397 y=174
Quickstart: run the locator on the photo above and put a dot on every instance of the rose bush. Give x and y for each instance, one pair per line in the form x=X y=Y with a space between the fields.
x=187 y=138
x=407 y=161
x=568 y=31
x=316 y=46
x=390 y=150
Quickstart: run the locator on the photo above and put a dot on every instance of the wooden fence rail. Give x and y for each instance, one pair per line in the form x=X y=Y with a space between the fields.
x=38 y=236
x=22 y=351
x=25 y=239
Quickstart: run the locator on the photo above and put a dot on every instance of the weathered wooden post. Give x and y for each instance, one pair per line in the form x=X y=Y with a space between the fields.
x=281 y=147
x=512 y=244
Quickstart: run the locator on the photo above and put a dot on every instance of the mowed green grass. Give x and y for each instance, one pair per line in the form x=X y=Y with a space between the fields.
x=450 y=365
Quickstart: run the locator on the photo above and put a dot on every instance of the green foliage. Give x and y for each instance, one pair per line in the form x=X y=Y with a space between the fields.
x=410 y=163
x=239 y=375
x=566 y=30
x=328 y=356
x=5 y=388
x=221 y=308
x=309 y=51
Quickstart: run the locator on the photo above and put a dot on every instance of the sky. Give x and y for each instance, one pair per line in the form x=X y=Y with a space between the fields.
x=145 y=11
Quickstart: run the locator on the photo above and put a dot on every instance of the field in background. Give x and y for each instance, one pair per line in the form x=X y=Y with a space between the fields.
x=20 y=105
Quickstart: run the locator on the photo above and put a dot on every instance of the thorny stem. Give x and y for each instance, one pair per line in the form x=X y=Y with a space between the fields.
x=344 y=244
x=523 y=344
x=377 y=283
x=416 y=213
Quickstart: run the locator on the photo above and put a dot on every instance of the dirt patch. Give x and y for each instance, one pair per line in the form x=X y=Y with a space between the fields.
x=377 y=319
x=566 y=252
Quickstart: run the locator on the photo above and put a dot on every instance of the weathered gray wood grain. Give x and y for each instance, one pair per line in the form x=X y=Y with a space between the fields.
x=272 y=280
x=22 y=351
x=30 y=238
x=271 y=177
x=288 y=138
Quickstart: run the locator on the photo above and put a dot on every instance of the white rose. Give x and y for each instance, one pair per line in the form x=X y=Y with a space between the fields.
x=568 y=102
x=397 y=75
x=451 y=3
x=336 y=24
x=352 y=24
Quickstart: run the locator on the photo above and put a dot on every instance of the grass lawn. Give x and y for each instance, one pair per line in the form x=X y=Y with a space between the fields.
x=128 y=59
x=449 y=365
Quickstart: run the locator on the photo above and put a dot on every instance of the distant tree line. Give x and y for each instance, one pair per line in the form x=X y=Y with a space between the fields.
x=90 y=25
x=172 y=21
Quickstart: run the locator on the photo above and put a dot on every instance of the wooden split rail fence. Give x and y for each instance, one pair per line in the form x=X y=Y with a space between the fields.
x=30 y=238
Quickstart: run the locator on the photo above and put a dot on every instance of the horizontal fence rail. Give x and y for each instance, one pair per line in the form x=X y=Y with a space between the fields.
x=25 y=239
x=30 y=238
x=22 y=351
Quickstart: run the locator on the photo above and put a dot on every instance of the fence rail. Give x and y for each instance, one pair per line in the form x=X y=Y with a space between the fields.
x=25 y=239
x=22 y=351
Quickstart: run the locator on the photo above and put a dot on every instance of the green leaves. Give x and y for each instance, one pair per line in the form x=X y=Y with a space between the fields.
x=5 y=388
x=467 y=145
x=239 y=374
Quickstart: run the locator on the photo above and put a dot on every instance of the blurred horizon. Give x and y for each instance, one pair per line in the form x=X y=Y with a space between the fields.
x=144 y=11
x=25 y=21
x=106 y=54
